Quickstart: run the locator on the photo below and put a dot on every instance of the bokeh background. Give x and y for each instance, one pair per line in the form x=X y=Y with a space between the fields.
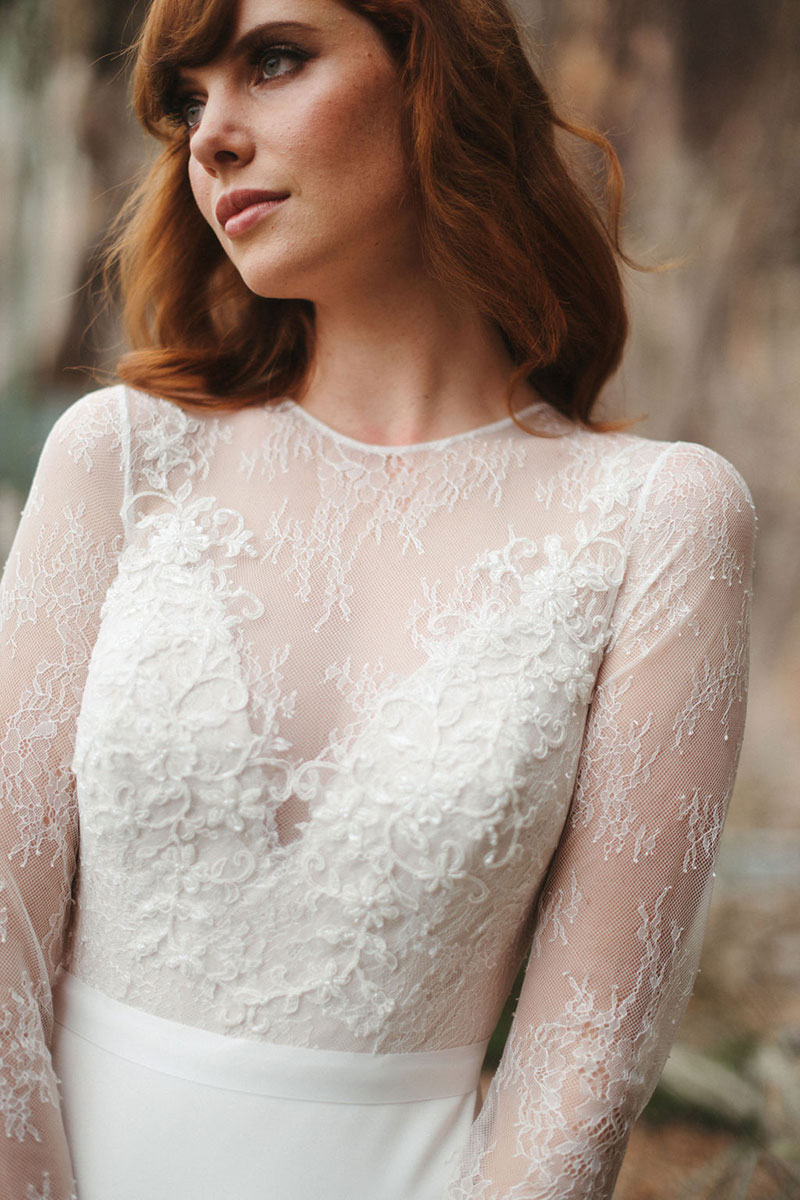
x=701 y=99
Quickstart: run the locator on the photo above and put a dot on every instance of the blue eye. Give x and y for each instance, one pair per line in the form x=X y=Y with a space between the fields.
x=190 y=112
x=269 y=62
x=264 y=63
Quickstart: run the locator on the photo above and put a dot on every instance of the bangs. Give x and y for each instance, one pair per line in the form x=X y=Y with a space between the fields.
x=176 y=33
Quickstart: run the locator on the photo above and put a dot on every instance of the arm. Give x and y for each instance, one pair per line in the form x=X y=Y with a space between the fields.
x=622 y=915
x=57 y=574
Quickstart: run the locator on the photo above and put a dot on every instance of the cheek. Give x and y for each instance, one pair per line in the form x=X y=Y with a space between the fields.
x=200 y=184
x=349 y=141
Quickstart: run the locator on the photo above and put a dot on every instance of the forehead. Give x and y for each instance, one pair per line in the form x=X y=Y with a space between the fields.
x=313 y=12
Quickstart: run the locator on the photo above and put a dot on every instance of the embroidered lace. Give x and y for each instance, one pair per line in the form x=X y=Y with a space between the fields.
x=343 y=730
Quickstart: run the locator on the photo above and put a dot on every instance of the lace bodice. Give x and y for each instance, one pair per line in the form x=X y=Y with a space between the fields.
x=334 y=734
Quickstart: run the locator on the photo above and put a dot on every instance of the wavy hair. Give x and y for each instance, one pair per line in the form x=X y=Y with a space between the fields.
x=504 y=222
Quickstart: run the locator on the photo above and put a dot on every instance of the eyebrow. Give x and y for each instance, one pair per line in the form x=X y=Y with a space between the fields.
x=249 y=42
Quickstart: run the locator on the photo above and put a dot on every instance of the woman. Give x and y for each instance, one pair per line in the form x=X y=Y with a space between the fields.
x=351 y=658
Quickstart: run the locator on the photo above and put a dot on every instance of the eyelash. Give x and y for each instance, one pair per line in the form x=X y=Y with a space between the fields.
x=175 y=108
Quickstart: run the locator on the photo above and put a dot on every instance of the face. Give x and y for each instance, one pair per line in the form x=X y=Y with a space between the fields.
x=295 y=152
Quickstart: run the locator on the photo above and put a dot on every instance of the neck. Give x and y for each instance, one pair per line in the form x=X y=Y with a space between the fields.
x=394 y=366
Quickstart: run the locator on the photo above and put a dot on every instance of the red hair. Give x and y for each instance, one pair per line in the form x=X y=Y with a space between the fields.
x=504 y=223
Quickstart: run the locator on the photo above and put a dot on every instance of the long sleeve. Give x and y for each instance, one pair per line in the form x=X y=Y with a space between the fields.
x=621 y=917
x=58 y=572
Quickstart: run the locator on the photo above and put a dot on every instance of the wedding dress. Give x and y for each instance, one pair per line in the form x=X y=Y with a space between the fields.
x=306 y=743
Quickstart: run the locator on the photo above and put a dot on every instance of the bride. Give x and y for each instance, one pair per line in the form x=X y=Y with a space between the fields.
x=347 y=658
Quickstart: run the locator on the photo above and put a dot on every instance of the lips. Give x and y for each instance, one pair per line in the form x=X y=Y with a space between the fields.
x=232 y=204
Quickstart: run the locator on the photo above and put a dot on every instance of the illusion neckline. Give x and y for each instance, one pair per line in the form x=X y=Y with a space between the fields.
x=434 y=444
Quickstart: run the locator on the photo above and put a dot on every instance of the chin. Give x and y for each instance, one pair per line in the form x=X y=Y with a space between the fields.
x=285 y=284
x=278 y=276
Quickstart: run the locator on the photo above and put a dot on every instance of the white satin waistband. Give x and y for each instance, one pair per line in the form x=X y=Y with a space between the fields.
x=262 y=1068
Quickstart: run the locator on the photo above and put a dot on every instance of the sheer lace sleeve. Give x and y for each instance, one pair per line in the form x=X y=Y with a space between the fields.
x=621 y=917
x=53 y=587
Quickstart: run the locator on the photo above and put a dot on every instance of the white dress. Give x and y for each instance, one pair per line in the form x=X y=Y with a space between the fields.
x=305 y=743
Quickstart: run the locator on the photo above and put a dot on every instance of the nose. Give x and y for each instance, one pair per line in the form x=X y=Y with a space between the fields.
x=221 y=138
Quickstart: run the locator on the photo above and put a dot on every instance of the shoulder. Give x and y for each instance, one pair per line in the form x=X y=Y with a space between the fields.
x=81 y=469
x=114 y=407
x=113 y=419
x=657 y=468
x=694 y=519
x=668 y=482
x=695 y=497
x=110 y=435
x=690 y=546
x=89 y=432
x=696 y=477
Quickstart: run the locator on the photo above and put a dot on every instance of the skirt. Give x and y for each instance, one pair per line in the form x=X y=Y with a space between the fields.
x=157 y=1110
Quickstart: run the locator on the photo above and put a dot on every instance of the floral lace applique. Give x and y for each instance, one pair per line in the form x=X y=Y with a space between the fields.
x=348 y=730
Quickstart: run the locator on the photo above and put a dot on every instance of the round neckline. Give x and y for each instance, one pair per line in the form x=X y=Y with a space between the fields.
x=436 y=443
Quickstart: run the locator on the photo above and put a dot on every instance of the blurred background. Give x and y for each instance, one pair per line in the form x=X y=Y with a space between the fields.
x=701 y=99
